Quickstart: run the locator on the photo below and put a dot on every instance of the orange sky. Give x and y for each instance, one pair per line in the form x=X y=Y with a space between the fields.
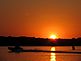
x=40 y=18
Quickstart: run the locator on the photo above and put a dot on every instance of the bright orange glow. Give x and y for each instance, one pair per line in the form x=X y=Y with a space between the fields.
x=53 y=37
x=53 y=57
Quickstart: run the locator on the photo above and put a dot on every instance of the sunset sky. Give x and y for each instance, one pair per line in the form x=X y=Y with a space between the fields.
x=40 y=18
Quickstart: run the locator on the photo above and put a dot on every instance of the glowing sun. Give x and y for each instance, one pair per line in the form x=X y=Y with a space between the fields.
x=53 y=37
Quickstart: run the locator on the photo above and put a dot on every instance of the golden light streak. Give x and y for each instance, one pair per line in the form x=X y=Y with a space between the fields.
x=53 y=57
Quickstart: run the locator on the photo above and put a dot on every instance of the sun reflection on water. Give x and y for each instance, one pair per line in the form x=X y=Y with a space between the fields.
x=52 y=57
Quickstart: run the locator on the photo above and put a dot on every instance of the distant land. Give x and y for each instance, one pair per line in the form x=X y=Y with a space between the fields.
x=32 y=41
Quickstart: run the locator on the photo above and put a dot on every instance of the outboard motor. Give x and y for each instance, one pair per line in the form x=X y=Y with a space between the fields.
x=73 y=47
x=15 y=49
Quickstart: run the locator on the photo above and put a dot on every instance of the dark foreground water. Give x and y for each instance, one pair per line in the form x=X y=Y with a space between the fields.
x=40 y=56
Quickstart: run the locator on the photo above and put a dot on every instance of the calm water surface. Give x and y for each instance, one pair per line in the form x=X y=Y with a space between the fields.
x=40 y=56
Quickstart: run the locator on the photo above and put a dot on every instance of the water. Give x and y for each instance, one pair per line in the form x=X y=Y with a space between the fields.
x=53 y=55
x=40 y=56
